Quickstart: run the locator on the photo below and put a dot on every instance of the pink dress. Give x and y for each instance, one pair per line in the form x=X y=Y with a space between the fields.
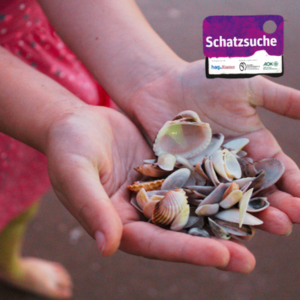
x=26 y=33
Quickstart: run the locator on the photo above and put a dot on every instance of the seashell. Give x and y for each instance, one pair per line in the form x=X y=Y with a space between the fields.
x=210 y=171
x=134 y=204
x=241 y=153
x=195 y=202
x=218 y=230
x=207 y=209
x=156 y=198
x=142 y=198
x=257 y=204
x=192 y=194
x=258 y=180
x=166 y=162
x=149 y=161
x=169 y=207
x=215 y=143
x=243 y=181
x=149 y=209
x=216 y=195
x=176 y=180
x=152 y=170
x=233 y=198
x=233 y=187
x=156 y=193
x=236 y=145
x=191 y=180
x=247 y=167
x=205 y=190
x=192 y=221
x=274 y=170
x=245 y=188
x=186 y=135
x=195 y=231
x=181 y=219
x=243 y=205
x=147 y=185
x=233 y=215
x=226 y=164
x=200 y=171
x=234 y=229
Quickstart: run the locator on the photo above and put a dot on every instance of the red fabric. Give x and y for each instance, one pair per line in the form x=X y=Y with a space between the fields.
x=26 y=33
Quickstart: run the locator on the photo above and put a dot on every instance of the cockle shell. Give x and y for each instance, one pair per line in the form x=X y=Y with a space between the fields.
x=147 y=185
x=181 y=219
x=169 y=207
x=185 y=135
x=149 y=208
x=226 y=165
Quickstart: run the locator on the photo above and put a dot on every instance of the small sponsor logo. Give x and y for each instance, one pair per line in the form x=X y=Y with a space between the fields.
x=243 y=66
x=216 y=67
x=270 y=65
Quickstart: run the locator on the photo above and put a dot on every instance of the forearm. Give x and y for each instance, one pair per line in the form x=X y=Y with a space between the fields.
x=114 y=41
x=30 y=101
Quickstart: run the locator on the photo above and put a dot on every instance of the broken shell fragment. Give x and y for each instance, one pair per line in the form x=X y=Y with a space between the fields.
x=176 y=180
x=233 y=215
x=147 y=185
x=149 y=208
x=233 y=187
x=234 y=229
x=186 y=135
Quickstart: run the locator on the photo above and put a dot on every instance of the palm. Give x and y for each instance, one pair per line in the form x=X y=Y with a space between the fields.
x=229 y=107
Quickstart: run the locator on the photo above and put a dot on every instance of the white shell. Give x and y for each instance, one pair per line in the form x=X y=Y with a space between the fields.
x=186 y=135
x=233 y=198
x=243 y=206
x=176 y=179
x=233 y=215
x=237 y=144
x=226 y=164
x=142 y=198
x=166 y=162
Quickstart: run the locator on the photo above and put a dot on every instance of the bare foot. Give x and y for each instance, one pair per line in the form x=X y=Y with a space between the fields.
x=41 y=277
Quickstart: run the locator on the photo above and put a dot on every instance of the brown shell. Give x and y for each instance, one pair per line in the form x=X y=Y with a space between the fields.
x=147 y=185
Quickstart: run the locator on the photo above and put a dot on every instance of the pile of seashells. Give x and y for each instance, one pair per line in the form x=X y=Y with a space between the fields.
x=201 y=186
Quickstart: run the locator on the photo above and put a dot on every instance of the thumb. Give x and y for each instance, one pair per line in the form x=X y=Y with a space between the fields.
x=77 y=184
x=275 y=97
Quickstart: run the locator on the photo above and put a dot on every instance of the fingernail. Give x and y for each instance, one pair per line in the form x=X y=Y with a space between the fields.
x=289 y=232
x=100 y=239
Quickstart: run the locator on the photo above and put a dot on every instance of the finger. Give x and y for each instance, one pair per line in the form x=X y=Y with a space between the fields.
x=287 y=204
x=241 y=259
x=277 y=98
x=148 y=240
x=275 y=221
x=76 y=183
x=290 y=180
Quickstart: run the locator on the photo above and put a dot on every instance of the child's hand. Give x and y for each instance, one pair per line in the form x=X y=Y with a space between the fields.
x=229 y=106
x=92 y=143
